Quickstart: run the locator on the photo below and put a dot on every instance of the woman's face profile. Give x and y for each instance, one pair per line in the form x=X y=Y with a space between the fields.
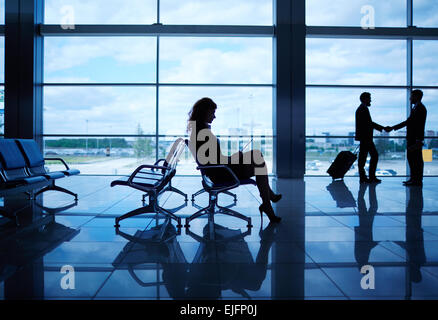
x=211 y=115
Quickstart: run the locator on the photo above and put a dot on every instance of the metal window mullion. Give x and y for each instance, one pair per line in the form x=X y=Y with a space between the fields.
x=409 y=13
x=150 y=84
x=356 y=86
x=409 y=66
x=157 y=97
x=401 y=33
x=158 y=29
x=359 y=86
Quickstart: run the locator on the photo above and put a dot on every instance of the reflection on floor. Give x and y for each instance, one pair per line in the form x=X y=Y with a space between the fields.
x=328 y=233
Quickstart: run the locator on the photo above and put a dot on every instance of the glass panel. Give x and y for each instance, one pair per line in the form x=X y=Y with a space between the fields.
x=331 y=111
x=431 y=155
x=356 y=61
x=99 y=110
x=425 y=63
x=2 y=59
x=241 y=110
x=213 y=12
x=2 y=110
x=100 y=59
x=70 y=12
x=103 y=155
x=320 y=152
x=2 y=11
x=216 y=60
x=425 y=13
x=356 y=13
x=430 y=100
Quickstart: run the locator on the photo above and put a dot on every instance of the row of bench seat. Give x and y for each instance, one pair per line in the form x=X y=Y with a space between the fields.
x=22 y=164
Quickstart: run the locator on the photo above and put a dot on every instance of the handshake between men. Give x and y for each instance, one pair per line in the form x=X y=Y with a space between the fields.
x=414 y=124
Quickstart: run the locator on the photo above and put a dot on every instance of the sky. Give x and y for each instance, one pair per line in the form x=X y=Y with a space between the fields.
x=219 y=60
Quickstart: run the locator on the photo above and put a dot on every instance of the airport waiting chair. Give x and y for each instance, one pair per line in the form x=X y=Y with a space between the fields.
x=35 y=163
x=13 y=167
x=214 y=189
x=201 y=191
x=153 y=180
x=165 y=163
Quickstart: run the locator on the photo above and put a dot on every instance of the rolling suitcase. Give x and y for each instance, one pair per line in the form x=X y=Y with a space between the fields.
x=343 y=162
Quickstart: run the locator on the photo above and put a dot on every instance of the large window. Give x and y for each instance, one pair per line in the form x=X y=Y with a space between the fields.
x=2 y=68
x=340 y=66
x=112 y=101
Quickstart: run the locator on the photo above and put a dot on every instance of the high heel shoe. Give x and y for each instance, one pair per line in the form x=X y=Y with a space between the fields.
x=276 y=197
x=270 y=213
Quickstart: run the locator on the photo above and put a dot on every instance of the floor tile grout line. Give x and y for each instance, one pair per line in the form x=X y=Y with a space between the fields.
x=322 y=270
x=102 y=285
x=114 y=204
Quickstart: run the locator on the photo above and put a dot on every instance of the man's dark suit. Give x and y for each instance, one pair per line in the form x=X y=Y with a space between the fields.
x=415 y=135
x=364 y=133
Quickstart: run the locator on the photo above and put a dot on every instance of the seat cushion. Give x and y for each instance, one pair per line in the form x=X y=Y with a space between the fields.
x=54 y=175
x=124 y=182
x=28 y=180
x=31 y=152
x=71 y=172
x=10 y=154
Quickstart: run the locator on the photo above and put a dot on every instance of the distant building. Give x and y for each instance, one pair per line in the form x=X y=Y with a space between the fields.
x=400 y=134
x=351 y=138
x=2 y=120
x=430 y=133
x=327 y=134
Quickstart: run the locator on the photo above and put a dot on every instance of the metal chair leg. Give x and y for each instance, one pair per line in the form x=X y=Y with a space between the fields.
x=197 y=193
x=236 y=214
x=197 y=214
x=56 y=188
x=170 y=214
x=231 y=194
x=171 y=188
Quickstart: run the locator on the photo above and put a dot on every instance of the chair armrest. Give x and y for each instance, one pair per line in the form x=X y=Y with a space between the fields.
x=222 y=166
x=157 y=162
x=58 y=159
x=144 y=166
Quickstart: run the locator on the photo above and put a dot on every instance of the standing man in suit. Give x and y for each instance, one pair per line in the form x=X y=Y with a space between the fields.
x=415 y=135
x=364 y=134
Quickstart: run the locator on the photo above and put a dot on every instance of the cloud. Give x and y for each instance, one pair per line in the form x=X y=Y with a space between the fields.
x=353 y=61
x=103 y=11
x=216 y=60
x=389 y=13
x=254 y=12
x=107 y=109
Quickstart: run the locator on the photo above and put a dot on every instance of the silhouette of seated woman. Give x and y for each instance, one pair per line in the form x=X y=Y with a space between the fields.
x=206 y=147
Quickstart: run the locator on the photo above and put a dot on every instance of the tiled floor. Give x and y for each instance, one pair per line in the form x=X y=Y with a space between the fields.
x=328 y=232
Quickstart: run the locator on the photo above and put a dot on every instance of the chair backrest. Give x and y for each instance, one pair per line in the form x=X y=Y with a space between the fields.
x=32 y=155
x=13 y=162
x=204 y=172
x=192 y=149
x=174 y=154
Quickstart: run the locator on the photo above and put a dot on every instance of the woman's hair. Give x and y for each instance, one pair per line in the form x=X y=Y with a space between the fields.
x=200 y=110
